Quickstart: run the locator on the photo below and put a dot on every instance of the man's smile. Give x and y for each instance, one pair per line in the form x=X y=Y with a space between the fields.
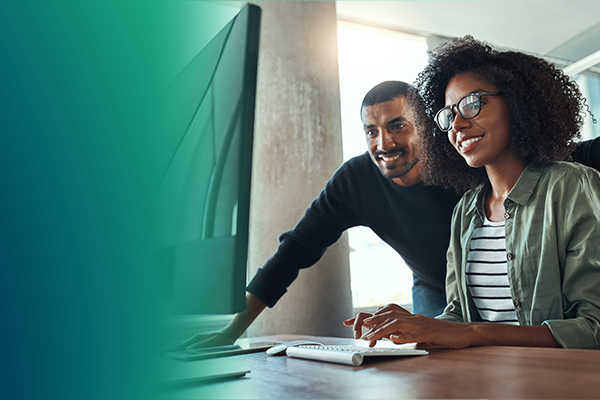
x=391 y=156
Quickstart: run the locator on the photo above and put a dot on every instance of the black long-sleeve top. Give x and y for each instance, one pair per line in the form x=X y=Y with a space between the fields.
x=414 y=221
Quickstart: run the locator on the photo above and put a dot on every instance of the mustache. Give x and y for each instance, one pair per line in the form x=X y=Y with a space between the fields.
x=401 y=150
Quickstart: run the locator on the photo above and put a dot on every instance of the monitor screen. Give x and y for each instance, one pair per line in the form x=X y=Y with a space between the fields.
x=203 y=200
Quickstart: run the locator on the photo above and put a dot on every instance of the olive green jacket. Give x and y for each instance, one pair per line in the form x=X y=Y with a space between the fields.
x=552 y=249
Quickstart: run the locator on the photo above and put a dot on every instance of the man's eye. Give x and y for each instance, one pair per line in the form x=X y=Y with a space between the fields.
x=371 y=132
x=397 y=126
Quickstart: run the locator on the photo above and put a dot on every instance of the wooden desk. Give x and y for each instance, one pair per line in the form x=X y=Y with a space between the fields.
x=478 y=372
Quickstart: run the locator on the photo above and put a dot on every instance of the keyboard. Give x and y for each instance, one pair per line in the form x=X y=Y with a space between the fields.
x=348 y=354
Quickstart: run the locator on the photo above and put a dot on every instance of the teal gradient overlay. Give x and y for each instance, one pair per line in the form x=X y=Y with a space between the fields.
x=79 y=168
x=76 y=159
x=80 y=165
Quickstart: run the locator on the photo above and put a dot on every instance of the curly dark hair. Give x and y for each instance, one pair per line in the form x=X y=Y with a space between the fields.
x=546 y=108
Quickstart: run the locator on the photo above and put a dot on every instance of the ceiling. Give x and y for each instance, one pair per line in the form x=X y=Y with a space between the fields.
x=567 y=30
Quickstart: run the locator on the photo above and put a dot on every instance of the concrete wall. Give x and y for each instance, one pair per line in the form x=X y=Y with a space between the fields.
x=298 y=146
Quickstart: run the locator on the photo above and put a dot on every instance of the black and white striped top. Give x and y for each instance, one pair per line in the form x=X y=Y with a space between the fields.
x=487 y=277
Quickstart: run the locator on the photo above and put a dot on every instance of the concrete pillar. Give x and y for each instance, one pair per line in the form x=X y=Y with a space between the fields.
x=297 y=147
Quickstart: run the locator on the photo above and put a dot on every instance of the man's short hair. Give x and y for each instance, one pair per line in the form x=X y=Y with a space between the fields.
x=386 y=91
x=390 y=90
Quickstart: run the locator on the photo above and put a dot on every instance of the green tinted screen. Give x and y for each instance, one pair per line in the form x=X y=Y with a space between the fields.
x=204 y=140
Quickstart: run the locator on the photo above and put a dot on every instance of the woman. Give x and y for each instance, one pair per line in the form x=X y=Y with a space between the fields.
x=524 y=257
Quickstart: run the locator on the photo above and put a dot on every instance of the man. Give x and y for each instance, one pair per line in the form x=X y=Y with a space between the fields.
x=380 y=189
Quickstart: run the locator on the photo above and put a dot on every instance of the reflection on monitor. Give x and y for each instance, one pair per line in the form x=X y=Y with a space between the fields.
x=203 y=201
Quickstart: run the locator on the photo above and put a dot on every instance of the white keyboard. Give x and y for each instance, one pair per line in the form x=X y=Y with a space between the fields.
x=348 y=354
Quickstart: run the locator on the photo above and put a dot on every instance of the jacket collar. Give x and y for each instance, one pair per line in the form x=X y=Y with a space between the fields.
x=520 y=193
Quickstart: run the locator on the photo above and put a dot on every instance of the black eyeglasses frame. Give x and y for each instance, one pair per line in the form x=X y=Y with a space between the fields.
x=455 y=105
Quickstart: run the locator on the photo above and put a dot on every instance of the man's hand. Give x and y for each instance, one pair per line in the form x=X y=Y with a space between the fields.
x=201 y=340
x=228 y=334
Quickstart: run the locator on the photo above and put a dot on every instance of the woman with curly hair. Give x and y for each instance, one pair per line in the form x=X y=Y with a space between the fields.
x=524 y=257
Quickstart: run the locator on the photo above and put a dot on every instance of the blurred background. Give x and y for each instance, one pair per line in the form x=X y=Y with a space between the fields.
x=317 y=61
x=388 y=40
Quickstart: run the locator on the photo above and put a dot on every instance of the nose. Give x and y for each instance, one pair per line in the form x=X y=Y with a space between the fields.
x=459 y=123
x=386 y=141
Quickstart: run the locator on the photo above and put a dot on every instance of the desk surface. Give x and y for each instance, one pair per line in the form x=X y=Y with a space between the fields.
x=477 y=372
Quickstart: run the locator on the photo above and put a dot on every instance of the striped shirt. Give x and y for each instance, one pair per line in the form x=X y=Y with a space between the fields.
x=487 y=277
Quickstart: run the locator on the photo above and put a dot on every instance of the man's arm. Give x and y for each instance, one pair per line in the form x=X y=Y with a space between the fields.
x=325 y=220
x=226 y=335
x=588 y=153
x=322 y=224
x=242 y=320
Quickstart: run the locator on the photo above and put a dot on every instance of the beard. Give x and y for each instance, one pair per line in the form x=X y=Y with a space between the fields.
x=401 y=169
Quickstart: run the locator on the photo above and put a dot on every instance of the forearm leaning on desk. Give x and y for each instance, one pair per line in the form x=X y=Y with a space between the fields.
x=242 y=320
x=226 y=335
x=233 y=330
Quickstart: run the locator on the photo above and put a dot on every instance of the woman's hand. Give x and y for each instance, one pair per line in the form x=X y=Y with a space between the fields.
x=400 y=326
x=358 y=322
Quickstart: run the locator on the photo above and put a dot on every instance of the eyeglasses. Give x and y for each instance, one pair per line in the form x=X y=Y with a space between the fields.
x=468 y=107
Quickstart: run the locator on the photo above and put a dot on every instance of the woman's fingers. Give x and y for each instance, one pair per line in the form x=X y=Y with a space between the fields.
x=383 y=330
x=357 y=323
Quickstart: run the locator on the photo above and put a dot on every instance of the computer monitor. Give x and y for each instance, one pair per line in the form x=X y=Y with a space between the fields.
x=203 y=200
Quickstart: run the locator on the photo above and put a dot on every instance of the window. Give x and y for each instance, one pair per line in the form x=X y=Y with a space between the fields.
x=368 y=56
x=589 y=84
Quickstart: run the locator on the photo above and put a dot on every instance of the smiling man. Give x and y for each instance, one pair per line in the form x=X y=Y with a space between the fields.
x=380 y=189
x=393 y=143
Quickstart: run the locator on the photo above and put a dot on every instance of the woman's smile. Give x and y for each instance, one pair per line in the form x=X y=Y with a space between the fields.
x=467 y=144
